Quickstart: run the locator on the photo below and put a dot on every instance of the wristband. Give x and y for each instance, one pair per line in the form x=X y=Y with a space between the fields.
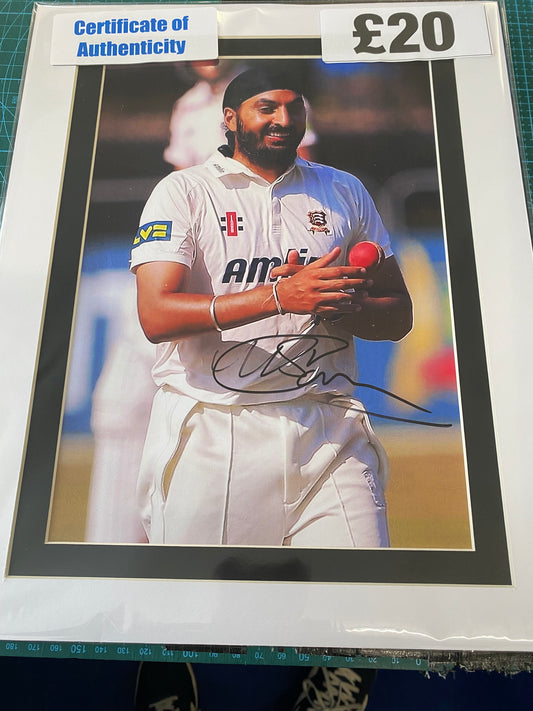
x=281 y=312
x=212 y=314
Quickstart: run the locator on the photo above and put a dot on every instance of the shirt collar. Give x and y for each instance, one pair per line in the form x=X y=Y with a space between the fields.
x=220 y=165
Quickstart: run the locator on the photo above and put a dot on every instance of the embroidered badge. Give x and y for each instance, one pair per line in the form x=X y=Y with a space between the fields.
x=231 y=224
x=153 y=231
x=317 y=219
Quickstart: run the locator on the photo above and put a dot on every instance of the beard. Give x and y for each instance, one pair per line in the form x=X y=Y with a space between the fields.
x=252 y=145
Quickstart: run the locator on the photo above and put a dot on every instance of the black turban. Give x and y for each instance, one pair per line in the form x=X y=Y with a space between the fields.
x=256 y=81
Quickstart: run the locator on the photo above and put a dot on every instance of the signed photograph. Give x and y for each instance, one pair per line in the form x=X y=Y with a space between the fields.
x=326 y=415
x=257 y=295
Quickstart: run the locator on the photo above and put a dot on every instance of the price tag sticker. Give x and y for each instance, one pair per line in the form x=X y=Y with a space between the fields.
x=395 y=32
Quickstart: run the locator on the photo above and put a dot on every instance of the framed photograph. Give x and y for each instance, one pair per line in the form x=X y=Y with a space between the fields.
x=442 y=403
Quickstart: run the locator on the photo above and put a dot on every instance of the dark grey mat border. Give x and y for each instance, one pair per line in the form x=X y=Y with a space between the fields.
x=32 y=557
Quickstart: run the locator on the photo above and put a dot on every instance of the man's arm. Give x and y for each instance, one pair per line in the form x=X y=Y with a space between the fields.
x=167 y=310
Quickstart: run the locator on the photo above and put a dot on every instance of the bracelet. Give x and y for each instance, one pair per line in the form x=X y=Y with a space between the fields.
x=212 y=314
x=281 y=312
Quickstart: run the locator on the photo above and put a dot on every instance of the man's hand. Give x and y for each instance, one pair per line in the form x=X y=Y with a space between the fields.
x=319 y=288
x=374 y=309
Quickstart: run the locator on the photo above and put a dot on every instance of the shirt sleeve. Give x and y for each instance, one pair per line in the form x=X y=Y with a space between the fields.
x=371 y=226
x=165 y=232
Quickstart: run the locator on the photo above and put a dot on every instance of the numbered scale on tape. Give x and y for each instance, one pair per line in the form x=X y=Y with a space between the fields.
x=283 y=656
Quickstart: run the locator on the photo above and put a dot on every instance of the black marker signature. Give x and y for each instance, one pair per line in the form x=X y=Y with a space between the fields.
x=297 y=358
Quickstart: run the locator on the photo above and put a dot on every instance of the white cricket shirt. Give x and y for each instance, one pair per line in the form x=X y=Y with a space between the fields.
x=231 y=227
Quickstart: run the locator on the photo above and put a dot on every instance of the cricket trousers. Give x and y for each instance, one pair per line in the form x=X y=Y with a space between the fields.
x=307 y=473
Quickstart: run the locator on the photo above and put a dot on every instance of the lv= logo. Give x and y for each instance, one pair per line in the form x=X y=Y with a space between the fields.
x=153 y=231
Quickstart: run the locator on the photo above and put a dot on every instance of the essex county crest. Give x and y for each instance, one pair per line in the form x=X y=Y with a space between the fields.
x=317 y=221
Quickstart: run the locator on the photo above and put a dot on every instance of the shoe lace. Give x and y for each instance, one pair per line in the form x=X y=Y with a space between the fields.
x=339 y=691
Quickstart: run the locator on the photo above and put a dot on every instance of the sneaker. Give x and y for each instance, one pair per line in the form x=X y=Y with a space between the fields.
x=328 y=688
x=166 y=686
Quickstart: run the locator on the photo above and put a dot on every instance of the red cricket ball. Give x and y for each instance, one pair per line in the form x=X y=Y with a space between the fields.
x=366 y=254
